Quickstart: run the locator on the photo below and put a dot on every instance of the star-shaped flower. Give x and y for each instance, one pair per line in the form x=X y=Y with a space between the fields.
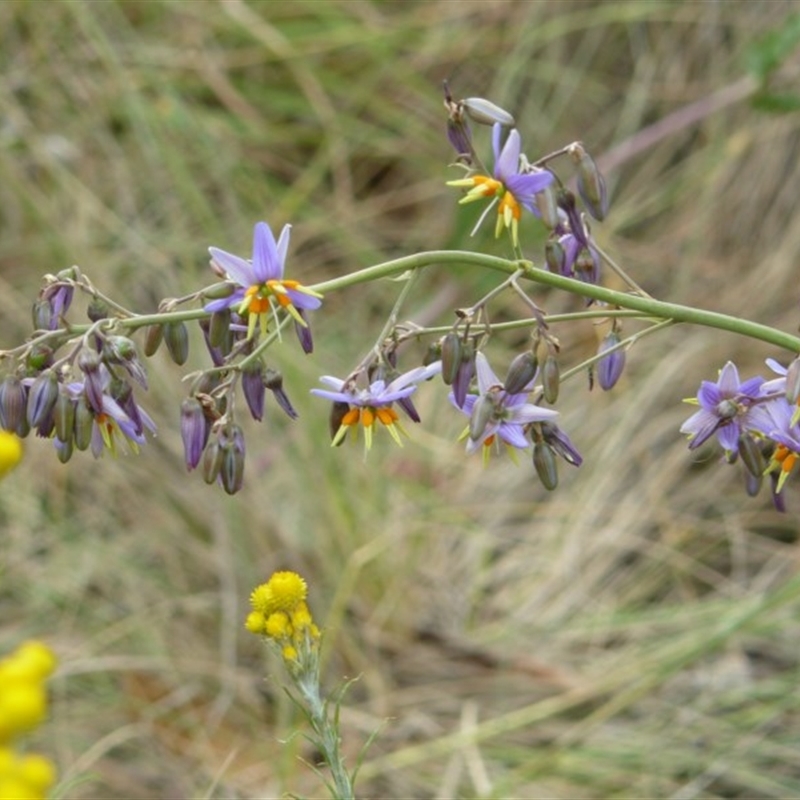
x=495 y=413
x=514 y=189
x=374 y=402
x=261 y=287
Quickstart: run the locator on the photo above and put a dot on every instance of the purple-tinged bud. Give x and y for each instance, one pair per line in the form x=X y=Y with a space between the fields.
x=42 y=397
x=97 y=309
x=84 y=423
x=253 y=388
x=555 y=257
x=273 y=380
x=219 y=330
x=547 y=204
x=521 y=372
x=121 y=350
x=13 y=404
x=610 y=366
x=60 y=298
x=751 y=455
x=460 y=136
x=122 y=392
x=89 y=363
x=336 y=417
x=587 y=266
x=231 y=471
x=482 y=412
x=591 y=185
x=559 y=442
x=64 y=450
x=153 y=337
x=793 y=381
x=64 y=416
x=176 y=337
x=303 y=332
x=194 y=431
x=452 y=351
x=566 y=202
x=40 y=357
x=551 y=379
x=42 y=315
x=485 y=112
x=752 y=483
x=544 y=462
x=465 y=373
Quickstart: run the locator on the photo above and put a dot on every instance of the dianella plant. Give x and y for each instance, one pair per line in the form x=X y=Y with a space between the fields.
x=82 y=383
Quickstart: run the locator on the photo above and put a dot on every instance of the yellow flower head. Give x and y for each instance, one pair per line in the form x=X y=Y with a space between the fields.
x=278 y=626
x=10 y=452
x=282 y=592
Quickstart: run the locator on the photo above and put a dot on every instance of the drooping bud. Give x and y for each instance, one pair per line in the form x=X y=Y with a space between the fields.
x=42 y=397
x=212 y=457
x=465 y=373
x=64 y=450
x=587 y=266
x=555 y=257
x=752 y=484
x=232 y=469
x=42 y=315
x=591 y=184
x=97 y=309
x=610 y=366
x=176 y=337
x=13 y=404
x=89 y=363
x=273 y=380
x=558 y=441
x=59 y=295
x=84 y=423
x=548 y=206
x=253 y=388
x=521 y=372
x=551 y=378
x=751 y=455
x=482 y=412
x=485 y=112
x=544 y=463
x=194 y=431
x=451 y=357
x=65 y=416
x=152 y=339
x=219 y=330
x=303 y=332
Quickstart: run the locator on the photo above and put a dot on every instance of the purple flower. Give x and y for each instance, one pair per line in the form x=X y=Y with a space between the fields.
x=494 y=413
x=774 y=419
x=514 y=189
x=726 y=408
x=262 y=288
x=366 y=405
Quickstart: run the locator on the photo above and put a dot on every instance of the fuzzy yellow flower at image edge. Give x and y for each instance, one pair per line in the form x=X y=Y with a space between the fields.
x=23 y=706
x=281 y=615
x=10 y=452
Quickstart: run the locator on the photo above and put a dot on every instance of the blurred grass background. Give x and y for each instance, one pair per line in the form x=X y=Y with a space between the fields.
x=634 y=634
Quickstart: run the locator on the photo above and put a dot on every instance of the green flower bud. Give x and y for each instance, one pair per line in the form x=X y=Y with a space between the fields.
x=84 y=424
x=97 y=309
x=13 y=404
x=64 y=451
x=591 y=185
x=485 y=112
x=452 y=352
x=65 y=416
x=544 y=462
x=521 y=372
x=153 y=337
x=551 y=379
x=176 y=336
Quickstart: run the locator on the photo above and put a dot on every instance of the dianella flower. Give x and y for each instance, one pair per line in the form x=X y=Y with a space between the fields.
x=512 y=188
x=726 y=409
x=497 y=414
x=261 y=288
x=366 y=405
x=774 y=419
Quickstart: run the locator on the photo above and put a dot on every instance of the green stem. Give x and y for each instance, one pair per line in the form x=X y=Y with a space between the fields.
x=644 y=305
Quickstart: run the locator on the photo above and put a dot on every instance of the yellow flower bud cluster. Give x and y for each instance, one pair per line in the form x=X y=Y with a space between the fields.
x=10 y=451
x=23 y=706
x=281 y=615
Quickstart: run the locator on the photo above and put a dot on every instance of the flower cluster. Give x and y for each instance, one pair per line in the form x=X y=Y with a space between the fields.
x=280 y=614
x=757 y=421
x=23 y=706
